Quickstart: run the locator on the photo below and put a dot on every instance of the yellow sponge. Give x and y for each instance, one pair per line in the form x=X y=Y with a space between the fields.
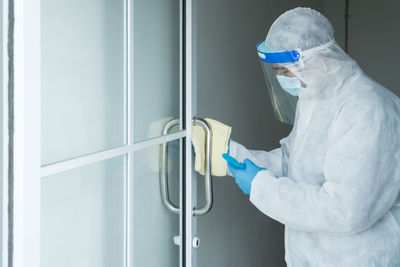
x=220 y=134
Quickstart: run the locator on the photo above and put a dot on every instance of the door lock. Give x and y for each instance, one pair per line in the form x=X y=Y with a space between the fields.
x=178 y=240
x=196 y=242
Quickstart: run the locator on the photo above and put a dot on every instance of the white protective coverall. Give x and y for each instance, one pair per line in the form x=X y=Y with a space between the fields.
x=338 y=171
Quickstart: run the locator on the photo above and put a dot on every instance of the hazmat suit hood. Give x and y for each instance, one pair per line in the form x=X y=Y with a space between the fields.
x=323 y=66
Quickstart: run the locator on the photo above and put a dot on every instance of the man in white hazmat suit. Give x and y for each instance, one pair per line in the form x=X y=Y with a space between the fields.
x=334 y=182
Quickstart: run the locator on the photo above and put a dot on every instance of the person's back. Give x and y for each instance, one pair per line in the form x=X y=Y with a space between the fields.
x=363 y=110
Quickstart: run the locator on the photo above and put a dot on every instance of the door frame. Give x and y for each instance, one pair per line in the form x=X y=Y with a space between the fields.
x=189 y=183
x=24 y=248
x=26 y=170
x=4 y=137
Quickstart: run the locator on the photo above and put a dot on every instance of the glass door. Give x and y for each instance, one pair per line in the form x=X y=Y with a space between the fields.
x=102 y=164
x=111 y=79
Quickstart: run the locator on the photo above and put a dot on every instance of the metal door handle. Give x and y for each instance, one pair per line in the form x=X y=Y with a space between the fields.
x=208 y=179
x=164 y=170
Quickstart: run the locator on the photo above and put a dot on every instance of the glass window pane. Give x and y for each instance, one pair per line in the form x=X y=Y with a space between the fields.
x=82 y=216
x=153 y=225
x=156 y=66
x=82 y=59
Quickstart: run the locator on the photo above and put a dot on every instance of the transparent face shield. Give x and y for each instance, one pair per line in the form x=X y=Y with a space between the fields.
x=284 y=103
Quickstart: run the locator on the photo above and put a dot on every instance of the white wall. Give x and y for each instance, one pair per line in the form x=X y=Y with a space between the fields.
x=231 y=88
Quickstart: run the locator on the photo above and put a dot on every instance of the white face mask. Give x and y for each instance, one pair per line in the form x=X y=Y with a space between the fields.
x=292 y=85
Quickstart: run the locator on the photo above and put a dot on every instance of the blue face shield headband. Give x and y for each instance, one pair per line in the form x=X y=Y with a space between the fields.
x=276 y=57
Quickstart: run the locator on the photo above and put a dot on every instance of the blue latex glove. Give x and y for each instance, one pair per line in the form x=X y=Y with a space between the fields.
x=231 y=160
x=244 y=176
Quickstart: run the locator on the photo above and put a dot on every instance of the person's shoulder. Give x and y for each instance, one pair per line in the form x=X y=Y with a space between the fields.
x=366 y=102
x=369 y=94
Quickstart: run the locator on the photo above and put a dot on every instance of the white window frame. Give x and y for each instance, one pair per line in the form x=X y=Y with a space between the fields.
x=28 y=171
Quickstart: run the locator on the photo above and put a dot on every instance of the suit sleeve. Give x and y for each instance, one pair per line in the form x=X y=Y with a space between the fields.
x=271 y=160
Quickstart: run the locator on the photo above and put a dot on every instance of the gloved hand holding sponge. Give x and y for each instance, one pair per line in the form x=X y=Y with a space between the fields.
x=244 y=173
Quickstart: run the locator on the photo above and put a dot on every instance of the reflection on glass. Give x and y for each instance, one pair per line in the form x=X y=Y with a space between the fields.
x=82 y=217
x=156 y=66
x=82 y=57
x=153 y=225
